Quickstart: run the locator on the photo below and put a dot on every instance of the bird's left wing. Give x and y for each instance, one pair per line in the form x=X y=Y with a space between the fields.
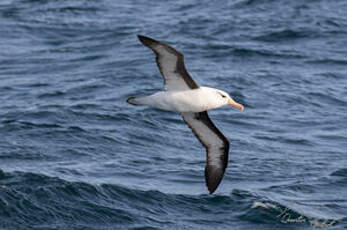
x=216 y=144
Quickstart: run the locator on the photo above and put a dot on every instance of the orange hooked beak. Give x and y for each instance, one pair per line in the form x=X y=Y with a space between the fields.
x=235 y=104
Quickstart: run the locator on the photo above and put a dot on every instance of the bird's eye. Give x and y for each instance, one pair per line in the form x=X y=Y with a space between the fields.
x=222 y=95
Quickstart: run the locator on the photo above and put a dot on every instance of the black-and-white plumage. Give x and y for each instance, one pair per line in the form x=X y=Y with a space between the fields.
x=192 y=101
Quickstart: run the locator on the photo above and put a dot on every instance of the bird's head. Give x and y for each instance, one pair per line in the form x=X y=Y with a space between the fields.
x=225 y=99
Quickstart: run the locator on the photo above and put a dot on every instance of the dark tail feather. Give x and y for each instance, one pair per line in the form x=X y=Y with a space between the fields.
x=132 y=101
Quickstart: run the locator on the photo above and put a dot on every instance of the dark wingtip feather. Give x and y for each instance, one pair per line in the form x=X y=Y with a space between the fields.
x=213 y=177
x=211 y=191
x=146 y=40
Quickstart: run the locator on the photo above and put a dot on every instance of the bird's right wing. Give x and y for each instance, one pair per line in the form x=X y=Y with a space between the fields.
x=170 y=64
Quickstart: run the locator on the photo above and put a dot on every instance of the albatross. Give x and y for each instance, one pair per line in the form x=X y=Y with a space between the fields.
x=183 y=95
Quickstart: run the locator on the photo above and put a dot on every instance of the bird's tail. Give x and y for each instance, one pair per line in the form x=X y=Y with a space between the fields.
x=136 y=100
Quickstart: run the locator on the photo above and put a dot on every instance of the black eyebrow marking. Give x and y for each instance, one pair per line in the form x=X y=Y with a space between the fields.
x=221 y=94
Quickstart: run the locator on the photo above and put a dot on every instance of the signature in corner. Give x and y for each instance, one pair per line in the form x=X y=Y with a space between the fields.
x=286 y=217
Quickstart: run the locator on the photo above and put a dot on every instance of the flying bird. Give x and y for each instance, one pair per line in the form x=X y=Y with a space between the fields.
x=182 y=94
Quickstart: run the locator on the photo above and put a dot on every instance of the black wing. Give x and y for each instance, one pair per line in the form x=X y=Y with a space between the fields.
x=216 y=144
x=170 y=64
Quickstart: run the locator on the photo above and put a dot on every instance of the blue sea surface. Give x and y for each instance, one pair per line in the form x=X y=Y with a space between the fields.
x=75 y=155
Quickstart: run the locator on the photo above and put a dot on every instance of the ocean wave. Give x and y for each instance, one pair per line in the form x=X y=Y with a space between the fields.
x=284 y=35
x=29 y=200
x=340 y=173
x=328 y=61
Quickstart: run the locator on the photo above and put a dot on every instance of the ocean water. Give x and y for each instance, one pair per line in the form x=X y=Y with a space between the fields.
x=75 y=155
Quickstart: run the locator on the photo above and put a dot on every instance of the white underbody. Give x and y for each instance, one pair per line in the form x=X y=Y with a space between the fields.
x=196 y=100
